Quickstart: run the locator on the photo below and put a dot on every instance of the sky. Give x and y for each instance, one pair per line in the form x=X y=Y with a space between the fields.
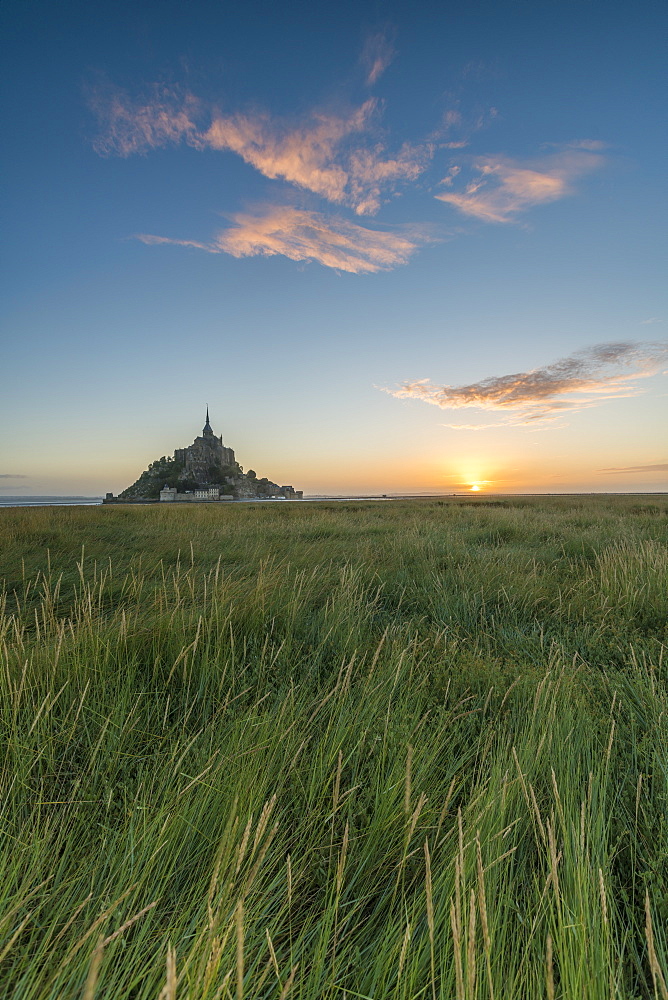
x=393 y=246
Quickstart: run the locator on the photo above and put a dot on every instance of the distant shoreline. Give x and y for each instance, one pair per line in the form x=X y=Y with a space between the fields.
x=97 y=501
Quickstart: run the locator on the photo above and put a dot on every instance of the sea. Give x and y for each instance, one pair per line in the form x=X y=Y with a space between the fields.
x=96 y=501
x=49 y=501
x=40 y=501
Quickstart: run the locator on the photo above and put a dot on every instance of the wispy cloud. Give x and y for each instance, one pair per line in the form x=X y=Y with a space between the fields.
x=503 y=188
x=473 y=427
x=304 y=155
x=340 y=156
x=659 y=467
x=456 y=129
x=377 y=54
x=371 y=173
x=582 y=380
x=318 y=154
x=333 y=155
x=128 y=126
x=302 y=235
x=12 y=475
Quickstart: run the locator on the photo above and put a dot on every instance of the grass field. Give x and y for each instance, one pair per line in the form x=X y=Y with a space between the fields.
x=379 y=750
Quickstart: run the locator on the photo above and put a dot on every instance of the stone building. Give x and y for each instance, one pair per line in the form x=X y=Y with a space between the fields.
x=171 y=495
x=206 y=456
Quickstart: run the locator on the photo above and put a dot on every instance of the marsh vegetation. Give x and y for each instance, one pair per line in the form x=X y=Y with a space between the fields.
x=403 y=750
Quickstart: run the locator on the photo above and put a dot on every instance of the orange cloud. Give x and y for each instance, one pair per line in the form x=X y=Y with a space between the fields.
x=330 y=155
x=504 y=188
x=127 y=127
x=369 y=173
x=659 y=467
x=583 y=380
x=302 y=235
x=304 y=155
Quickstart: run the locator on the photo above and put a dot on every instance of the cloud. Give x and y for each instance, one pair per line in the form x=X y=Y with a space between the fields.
x=377 y=54
x=302 y=235
x=304 y=155
x=318 y=156
x=503 y=188
x=660 y=467
x=331 y=155
x=577 y=382
x=12 y=475
x=456 y=128
x=127 y=126
x=370 y=174
x=473 y=427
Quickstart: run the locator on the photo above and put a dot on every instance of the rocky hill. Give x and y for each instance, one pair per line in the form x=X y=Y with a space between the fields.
x=206 y=462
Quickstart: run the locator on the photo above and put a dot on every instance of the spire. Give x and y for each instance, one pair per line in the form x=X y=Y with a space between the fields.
x=207 y=426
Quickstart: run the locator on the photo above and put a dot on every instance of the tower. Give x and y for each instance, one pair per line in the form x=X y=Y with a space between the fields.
x=208 y=430
x=207 y=458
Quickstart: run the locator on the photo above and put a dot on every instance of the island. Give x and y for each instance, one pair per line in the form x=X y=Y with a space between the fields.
x=206 y=471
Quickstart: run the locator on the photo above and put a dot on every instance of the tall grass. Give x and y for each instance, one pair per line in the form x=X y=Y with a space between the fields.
x=403 y=750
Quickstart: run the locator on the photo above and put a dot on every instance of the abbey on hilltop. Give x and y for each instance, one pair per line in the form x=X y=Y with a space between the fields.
x=205 y=470
x=205 y=455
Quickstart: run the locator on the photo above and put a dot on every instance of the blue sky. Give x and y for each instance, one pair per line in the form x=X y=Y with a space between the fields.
x=392 y=246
